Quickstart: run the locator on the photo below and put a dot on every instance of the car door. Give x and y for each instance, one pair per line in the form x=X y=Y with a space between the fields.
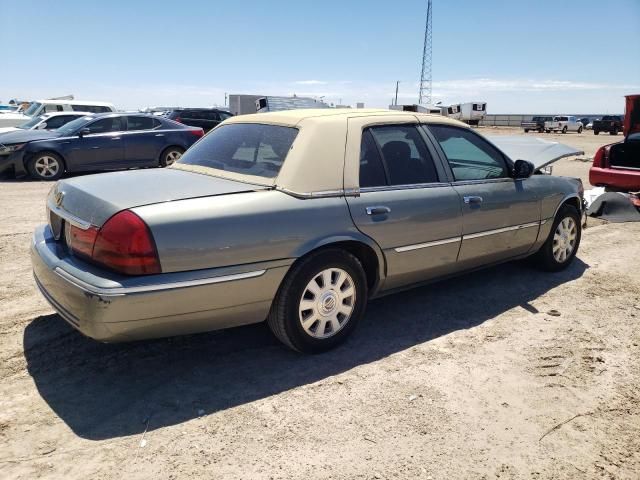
x=500 y=215
x=144 y=140
x=101 y=148
x=405 y=204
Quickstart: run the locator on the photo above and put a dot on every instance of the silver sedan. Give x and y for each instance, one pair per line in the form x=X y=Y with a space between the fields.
x=299 y=218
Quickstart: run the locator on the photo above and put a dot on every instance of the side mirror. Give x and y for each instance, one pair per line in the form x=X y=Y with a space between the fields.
x=83 y=132
x=523 y=169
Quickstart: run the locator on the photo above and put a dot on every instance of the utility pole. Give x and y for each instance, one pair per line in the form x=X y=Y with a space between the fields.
x=424 y=96
x=397 y=83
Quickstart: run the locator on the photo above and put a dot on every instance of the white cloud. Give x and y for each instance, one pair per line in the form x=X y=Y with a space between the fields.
x=310 y=82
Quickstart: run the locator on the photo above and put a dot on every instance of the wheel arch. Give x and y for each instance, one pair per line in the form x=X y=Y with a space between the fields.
x=361 y=246
x=173 y=145
x=572 y=199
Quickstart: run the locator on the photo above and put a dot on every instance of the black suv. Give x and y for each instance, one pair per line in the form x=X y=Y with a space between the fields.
x=205 y=118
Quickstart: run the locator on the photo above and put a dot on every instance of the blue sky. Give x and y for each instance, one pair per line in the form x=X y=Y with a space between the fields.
x=543 y=56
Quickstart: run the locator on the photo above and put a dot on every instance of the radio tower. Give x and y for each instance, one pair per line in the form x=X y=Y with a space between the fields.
x=424 y=97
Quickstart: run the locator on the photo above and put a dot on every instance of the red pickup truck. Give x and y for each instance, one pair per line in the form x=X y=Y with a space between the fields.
x=617 y=166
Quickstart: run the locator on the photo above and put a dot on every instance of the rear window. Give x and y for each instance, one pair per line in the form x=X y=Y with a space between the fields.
x=91 y=108
x=247 y=148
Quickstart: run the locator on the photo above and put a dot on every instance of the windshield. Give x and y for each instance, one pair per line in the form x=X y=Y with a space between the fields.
x=72 y=126
x=248 y=148
x=28 y=125
x=33 y=108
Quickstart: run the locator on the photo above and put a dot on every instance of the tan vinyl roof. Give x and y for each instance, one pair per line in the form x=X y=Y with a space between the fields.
x=325 y=156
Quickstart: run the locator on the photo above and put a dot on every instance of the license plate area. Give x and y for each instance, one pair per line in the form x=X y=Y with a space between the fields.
x=56 y=223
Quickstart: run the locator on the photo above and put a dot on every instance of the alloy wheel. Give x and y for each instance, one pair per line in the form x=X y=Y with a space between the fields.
x=564 y=239
x=327 y=303
x=47 y=166
x=172 y=157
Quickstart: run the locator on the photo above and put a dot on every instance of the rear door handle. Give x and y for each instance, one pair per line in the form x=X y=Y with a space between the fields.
x=378 y=210
x=159 y=135
x=115 y=138
x=472 y=200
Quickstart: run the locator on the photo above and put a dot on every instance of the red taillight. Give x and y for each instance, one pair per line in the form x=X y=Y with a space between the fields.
x=124 y=244
x=198 y=132
x=81 y=241
x=177 y=119
x=601 y=158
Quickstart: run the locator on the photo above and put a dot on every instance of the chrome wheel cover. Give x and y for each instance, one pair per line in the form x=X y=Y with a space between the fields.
x=172 y=157
x=564 y=239
x=47 y=166
x=327 y=303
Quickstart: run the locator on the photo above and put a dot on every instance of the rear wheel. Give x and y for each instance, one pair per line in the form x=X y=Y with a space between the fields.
x=614 y=131
x=560 y=248
x=547 y=131
x=596 y=132
x=46 y=166
x=564 y=129
x=540 y=130
x=579 y=129
x=170 y=155
x=319 y=302
x=526 y=130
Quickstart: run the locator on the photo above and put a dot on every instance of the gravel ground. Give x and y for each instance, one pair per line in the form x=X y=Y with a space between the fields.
x=504 y=373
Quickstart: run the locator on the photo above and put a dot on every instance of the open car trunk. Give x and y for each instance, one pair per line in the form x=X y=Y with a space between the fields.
x=626 y=154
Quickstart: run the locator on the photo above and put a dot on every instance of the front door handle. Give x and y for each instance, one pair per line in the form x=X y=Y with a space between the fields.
x=115 y=138
x=159 y=135
x=473 y=200
x=378 y=210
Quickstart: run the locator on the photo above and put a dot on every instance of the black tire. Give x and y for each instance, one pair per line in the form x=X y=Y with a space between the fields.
x=564 y=129
x=544 y=258
x=526 y=130
x=167 y=157
x=579 y=129
x=46 y=166
x=285 y=318
x=547 y=131
x=614 y=131
x=596 y=132
x=540 y=130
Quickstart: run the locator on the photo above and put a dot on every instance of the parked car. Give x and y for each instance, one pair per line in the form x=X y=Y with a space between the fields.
x=46 y=121
x=205 y=118
x=536 y=123
x=13 y=119
x=608 y=123
x=298 y=217
x=109 y=141
x=617 y=166
x=563 y=124
x=589 y=126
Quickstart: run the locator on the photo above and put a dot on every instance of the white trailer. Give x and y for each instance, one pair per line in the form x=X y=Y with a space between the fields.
x=470 y=112
x=414 y=107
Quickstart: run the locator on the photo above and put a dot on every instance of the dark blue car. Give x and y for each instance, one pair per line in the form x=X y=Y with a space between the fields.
x=109 y=141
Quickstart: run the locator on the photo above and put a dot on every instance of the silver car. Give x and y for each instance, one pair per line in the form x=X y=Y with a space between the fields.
x=298 y=217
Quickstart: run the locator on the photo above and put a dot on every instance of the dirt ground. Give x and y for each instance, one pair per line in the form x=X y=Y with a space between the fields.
x=504 y=373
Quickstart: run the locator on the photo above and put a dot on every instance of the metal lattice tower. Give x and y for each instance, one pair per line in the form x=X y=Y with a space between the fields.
x=424 y=97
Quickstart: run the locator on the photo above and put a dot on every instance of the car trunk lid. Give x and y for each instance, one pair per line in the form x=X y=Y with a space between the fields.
x=632 y=115
x=93 y=199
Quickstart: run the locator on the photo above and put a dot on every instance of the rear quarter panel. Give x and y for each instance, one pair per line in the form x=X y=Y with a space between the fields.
x=246 y=228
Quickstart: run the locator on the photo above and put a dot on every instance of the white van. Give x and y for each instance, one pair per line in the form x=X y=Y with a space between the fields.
x=39 y=107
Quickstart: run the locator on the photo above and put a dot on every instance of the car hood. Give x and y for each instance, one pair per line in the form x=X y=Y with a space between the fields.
x=22 y=136
x=95 y=198
x=538 y=151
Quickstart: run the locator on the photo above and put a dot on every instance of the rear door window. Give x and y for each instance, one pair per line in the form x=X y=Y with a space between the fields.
x=372 y=172
x=405 y=155
x=58 y=121
x=140 y=123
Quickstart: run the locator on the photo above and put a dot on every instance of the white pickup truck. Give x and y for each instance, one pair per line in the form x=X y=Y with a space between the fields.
x=563 y=124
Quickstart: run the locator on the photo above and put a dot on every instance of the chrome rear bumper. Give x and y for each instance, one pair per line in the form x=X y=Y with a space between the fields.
x=109 y=307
